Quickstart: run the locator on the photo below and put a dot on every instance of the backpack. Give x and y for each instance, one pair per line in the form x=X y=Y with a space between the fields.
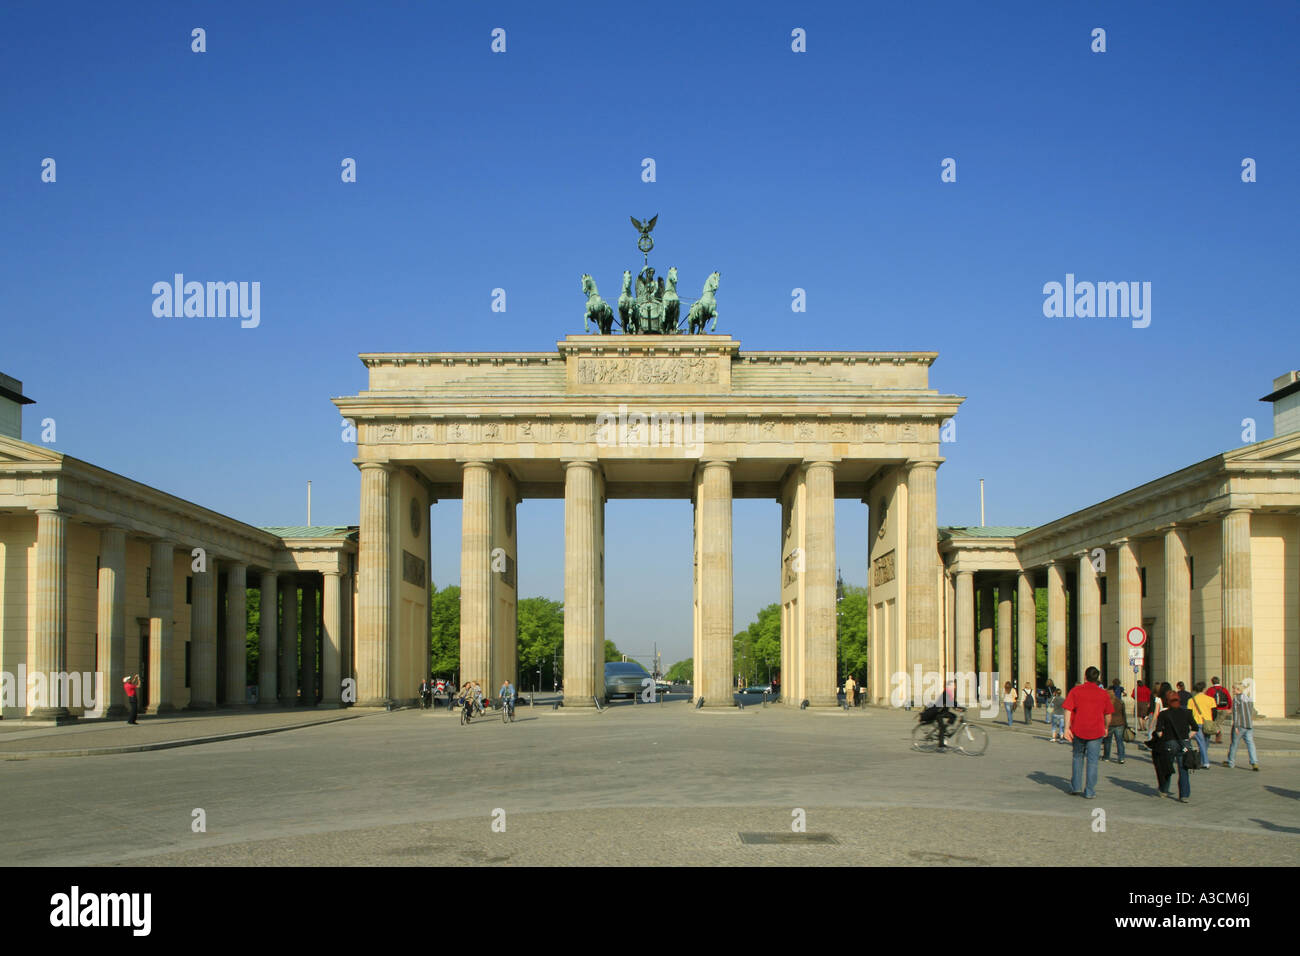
x=1220 y=698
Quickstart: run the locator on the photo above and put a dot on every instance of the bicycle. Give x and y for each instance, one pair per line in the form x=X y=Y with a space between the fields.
x=507 y=710
x=466 y=712
x=963 y=736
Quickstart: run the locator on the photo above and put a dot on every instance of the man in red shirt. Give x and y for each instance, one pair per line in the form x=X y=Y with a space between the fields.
x=1086 y=708
x=132 y=687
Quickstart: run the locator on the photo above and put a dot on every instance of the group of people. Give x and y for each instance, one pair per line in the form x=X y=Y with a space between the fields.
x=1178 y=725
x=431 y=688
x=471 y=696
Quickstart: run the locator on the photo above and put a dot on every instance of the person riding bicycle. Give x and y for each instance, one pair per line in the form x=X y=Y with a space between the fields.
x=478 y=698
x=940 y=714
x=507 y=695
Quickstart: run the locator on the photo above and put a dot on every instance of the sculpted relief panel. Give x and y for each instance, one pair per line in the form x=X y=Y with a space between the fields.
x=692 y=370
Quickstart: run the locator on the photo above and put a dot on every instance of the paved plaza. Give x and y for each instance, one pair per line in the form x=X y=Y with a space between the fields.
x=636 y=785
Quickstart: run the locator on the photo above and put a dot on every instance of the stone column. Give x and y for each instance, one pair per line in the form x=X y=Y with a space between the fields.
x=161 y=629
x=203 y=638
x=1238 y=644
x=1129 y=610
x=476 y=639
x=1026 y=631
x=1177 y=621
x=1006 y=663
x=1089 y=649
x=236 y=634
x=714 y=679
x=374 y=585
x=331 y=639
x=922 y=569
x=309 y=638
x=111 y=619
x=1056 y=669
x=819 y=582
x=986 y=637
x=965 y=625
x=268 y=652
x=50 y=613
x=288 y=641
x=581 y=569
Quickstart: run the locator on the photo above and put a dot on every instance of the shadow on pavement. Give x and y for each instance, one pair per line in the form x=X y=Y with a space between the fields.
x=1047 y=779
x=1283 y=792
x=1275 y=828
x=1132 y=786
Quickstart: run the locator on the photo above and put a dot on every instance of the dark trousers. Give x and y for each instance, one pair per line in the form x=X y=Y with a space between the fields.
x=133 y=707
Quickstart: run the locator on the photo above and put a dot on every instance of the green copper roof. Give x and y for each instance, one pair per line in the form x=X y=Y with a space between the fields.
x=992 y=531
x=313 y=531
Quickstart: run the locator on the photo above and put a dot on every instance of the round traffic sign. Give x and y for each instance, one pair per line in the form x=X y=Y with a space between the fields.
x=1142 y=637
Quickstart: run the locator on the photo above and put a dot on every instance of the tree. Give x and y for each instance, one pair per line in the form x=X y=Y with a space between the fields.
x=444 y=630
x=612 y=653
x=757 y=649
x=682 y=670
x=541 y=640
x=852 y=637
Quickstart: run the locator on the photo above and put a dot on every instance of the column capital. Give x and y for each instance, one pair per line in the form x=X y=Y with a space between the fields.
x=589 y=462
x=374 y=465
x=923 y=463
x=1236 y=511
x=467 y=463
x=810 y=463
x=51 y=512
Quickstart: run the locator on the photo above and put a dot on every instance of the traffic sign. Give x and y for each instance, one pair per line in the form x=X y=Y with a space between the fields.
x=1141 y=637
x=1135 y=656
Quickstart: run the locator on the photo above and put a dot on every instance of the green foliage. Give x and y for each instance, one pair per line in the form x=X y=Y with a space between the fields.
x=852 y=637
x=757 y=649
x=682 y=670
x=612 y=653
x=252 y=636
x=444 y=631
x=541 y=641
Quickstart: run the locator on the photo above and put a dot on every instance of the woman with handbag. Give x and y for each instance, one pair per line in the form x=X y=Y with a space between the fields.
x=1202 y=708
x=1172 y=748
x=1009 y=700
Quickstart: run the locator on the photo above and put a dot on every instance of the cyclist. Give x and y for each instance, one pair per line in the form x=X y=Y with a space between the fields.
x=945 y=715
x=507 y=695
x=478 y=698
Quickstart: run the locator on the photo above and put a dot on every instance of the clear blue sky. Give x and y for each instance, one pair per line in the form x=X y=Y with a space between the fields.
x=519 y=170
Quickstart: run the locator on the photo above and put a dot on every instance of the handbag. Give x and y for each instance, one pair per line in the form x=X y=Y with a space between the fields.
x=1210 y=726
x=1129 y=735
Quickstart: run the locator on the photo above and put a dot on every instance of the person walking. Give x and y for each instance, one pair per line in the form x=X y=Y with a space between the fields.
x=1172 y=736
x=1116 y=724
x=1086 y=709
x=1243 y=726
x=849 y=687
x=1202 y=708
x=1027 y=693
x=1056 y=714
x=1142 y=694
x=1184 y=695
x=1223 y=710
x=132 y=687
x=1009 y=698
x=1049 y=691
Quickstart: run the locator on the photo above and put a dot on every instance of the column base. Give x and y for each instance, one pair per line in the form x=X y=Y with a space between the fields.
x=161 y=710
x=58 y=716
x=381 y=702
x=116 y=712
x=823 y=701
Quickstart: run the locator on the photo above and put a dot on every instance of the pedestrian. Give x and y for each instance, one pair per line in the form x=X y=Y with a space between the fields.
x=132 y=687
x=1142 y=694
x=1057 y=714
x=1086 y=709
x=1243 y=726
x=1116 y=724
x=1222 y=706
x=1009 y=699
x=1028 y=702
x=849 y=688
x=1203 y=713
x=1049 y=691
x=1171 y=739
x=1184 y=695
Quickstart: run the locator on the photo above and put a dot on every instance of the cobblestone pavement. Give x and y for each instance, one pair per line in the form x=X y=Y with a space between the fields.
x=657 y=784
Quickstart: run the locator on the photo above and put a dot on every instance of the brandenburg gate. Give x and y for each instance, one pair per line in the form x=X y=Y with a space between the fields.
x=646 y=415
